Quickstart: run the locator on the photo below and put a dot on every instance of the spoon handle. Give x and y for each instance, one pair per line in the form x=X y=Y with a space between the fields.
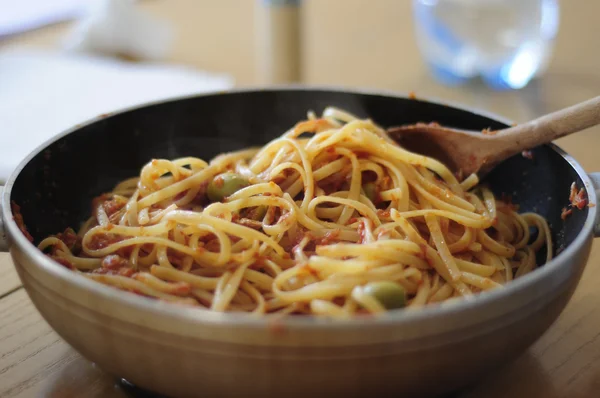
x=552 y=126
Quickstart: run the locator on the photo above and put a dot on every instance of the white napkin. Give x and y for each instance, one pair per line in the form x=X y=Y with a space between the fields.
x=120 y=27
x=42 y=94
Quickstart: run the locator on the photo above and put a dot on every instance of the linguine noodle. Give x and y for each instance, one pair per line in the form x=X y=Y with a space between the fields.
x=330 y=209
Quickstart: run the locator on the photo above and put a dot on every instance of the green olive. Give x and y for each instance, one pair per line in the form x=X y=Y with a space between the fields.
x=370 y=190
x=259 y=212
x=390 y=294
x=225 y=185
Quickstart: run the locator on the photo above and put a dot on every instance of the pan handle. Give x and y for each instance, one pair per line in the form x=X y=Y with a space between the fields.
x=3 y=241
x=595 y=177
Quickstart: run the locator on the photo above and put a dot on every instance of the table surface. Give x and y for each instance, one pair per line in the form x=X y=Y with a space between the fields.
x=378 y=52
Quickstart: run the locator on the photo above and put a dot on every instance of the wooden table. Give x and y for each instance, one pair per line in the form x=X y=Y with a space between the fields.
x=376 y=51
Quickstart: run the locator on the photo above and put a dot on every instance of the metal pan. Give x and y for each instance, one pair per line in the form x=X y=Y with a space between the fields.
x=186 y=352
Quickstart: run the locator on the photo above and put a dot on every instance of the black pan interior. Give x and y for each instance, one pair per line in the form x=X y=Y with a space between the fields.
x=56 y=187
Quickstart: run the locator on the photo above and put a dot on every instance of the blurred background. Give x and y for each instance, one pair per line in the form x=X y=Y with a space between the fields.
x=68 y=60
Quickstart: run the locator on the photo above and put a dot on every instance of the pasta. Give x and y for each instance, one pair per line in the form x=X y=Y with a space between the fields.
x=333 y=219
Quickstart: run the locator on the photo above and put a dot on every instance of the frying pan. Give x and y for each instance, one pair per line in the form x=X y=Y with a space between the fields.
x=180 y=351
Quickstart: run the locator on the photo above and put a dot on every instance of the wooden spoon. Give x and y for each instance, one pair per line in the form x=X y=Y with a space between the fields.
x=469 y=152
